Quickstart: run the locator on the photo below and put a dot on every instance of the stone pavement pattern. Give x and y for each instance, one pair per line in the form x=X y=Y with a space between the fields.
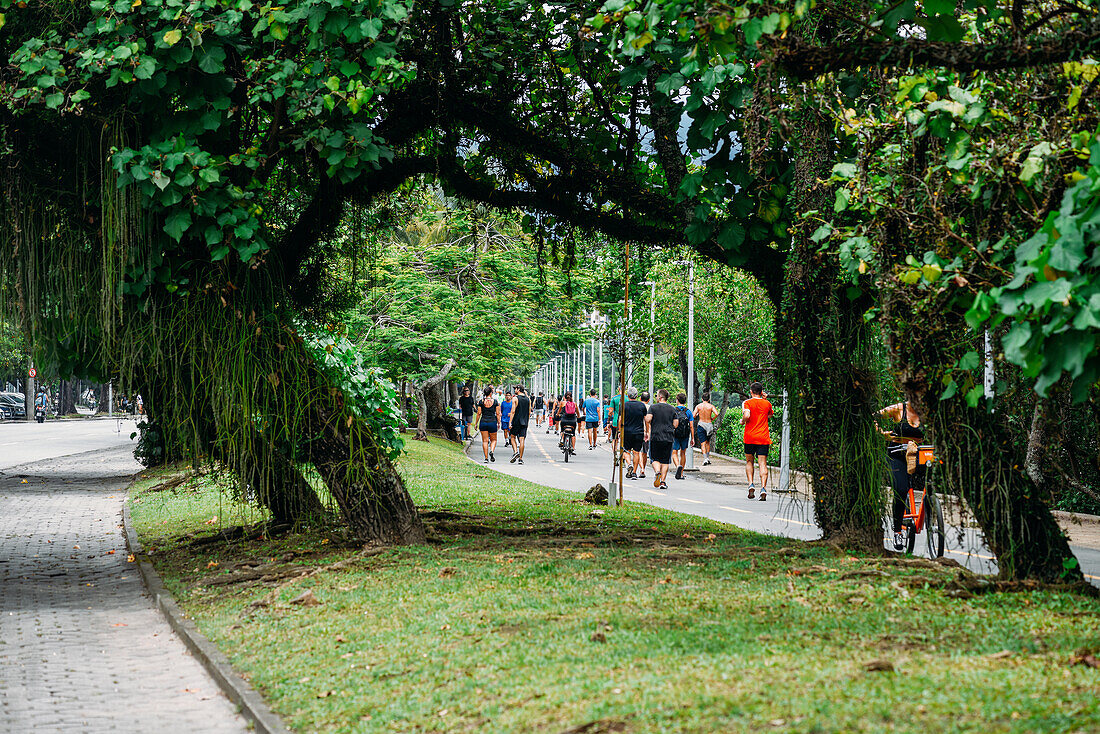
x=82 y=648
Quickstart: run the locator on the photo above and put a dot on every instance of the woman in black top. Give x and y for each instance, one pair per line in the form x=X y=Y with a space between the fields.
x=466 y=405
x=908 y=428
x=488 y=419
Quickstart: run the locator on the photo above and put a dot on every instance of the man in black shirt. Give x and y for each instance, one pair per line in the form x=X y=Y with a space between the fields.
x=521 y=416
x=661 y=422
x=634 y=425
x=540 y=409
x=466 y=404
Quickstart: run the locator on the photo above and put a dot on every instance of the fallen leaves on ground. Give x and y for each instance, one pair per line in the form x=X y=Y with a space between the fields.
x=306 y=599
x=879 y=666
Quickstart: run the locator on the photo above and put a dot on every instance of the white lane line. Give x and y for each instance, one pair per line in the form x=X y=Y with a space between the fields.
x=653 y=491
x=736 y=509
x=685 y=499
x=966 y=554
x=799 y=522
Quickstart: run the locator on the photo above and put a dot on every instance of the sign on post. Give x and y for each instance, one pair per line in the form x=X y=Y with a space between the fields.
x=32 y=373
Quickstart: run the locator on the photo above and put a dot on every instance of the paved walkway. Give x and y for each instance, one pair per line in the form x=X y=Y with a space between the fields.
x=82 y=648
x=720 y=492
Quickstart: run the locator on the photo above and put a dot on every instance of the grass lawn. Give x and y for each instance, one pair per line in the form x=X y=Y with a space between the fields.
x=526 y=613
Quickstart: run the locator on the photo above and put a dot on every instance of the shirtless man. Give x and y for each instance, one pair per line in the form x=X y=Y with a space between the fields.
x=705 y=413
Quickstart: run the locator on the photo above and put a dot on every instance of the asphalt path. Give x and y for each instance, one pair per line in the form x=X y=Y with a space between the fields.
x=787 y=515
x=23 y=442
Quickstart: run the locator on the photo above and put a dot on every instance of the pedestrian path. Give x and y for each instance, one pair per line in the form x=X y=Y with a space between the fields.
x=720 y=492
x=82 y=648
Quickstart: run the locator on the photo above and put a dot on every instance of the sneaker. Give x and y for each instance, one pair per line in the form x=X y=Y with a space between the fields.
x=657 y=481
x=630 y=474
x=521 y=461
x=513 y=459
x=679 y=472
x=486 y=461
x=763 y=496
x=663 y=486
x=899 y=542
x=642 y=475
x=752 y=491
x=706 y=463
x=491 y=457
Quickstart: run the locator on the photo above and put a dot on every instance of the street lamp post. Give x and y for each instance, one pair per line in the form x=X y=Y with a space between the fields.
x=691 y=351
x=652 y=322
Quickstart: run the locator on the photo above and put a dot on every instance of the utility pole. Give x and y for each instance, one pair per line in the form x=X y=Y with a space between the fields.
x=691 y=351
x=614 y=494
x=652 y=323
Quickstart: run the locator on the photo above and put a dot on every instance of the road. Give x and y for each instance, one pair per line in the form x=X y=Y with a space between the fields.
x=787 y=515
x=23 y=442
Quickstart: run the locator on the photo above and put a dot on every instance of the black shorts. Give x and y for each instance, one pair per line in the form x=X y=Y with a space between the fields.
x=614 y=431
x=467 y=417
x=591 y=424
x=757 y=449
x=632 y=441
x=519 y=430
x=660 y=452
x=490 y=427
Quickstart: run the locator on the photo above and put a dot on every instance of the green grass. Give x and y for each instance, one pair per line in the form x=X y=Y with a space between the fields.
x=490 y=626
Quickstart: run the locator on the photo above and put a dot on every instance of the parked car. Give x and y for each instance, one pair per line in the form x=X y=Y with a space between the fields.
x=14 y=403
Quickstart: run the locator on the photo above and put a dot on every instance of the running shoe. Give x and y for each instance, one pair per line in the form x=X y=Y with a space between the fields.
x=679 y=472
x=706 y=463
x=664 y=486
x=641 y=476
x=752 y=491
x=629 y=473
x=763 y=496
x=486 y=461
x=657 y=481
x=521 y=461
x=513 y=459
x=491 y=457
x=899 y=542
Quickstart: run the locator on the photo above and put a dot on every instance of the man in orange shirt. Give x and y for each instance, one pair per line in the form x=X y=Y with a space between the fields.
x=755 y=413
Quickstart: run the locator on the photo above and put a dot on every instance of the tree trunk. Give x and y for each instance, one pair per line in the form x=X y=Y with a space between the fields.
x=432 y=385
x=1036 y=439
x=66 y=400
x=101 y=407
x=276 y=483
x=827 y=363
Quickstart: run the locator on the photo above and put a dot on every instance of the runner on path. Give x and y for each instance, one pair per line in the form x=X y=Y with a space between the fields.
x=521 y=416
x=488 y=419
x=540 y=409
x=705 y=413
x=682 y=436
x=634 y=413
x=592 y=418
x=755 y=413
x=661 y=423
x=506 y=417
x=615 y=426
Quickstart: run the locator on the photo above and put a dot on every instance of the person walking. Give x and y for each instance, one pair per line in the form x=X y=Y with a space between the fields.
x=755 y=413
x=705 y=413
x=644 y=397
x=606 y=420
x=466 y=405
x=614 y=405
x=683 y=437
x=661 y=422
x=540 y=409
x=634 y=413
x=488 y=419
x=592 y=418
x=506 y=417
x=521 y=416
x=551 y=406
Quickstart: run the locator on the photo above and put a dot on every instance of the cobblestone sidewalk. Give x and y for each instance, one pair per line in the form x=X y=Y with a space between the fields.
x=82 y=648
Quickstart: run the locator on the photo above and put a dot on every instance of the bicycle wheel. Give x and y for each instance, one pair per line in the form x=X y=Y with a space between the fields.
x=933 y=525
x=566 y=452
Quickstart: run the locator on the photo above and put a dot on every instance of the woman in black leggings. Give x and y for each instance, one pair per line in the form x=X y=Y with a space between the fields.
x=908 y=428
x=488 y=420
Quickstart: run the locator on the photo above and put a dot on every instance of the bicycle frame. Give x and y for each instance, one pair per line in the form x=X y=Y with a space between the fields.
x=918 y=514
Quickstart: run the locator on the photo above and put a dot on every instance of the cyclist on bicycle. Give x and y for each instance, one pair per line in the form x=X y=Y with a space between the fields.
x=905 y=470
x=569 y=413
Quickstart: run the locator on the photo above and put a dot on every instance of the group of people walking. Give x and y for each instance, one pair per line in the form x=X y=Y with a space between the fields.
x=659 y=434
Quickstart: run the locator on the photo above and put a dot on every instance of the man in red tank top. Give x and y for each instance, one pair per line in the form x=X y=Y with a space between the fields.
x=755 y=413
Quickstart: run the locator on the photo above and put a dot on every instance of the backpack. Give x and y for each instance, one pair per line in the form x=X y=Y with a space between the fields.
x=570 y=408
x=683 y=430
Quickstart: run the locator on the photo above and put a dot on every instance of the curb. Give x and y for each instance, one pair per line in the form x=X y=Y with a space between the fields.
x=251 y=705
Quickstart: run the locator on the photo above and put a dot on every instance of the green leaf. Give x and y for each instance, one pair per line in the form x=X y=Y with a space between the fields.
x=969 y=361
x=822 y=232
x=55 y=100
x=177 y=224
x=843 y=196
x=669 y=84
x=845 y=170
x=172 y=37
x=1035 y=160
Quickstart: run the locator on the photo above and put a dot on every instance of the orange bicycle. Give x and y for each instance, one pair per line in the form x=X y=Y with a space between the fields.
x=925 y=513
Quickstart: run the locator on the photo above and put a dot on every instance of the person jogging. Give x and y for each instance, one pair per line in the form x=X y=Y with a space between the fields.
x=506 y=417
x=755 y=413
x=521 y=416
x=705 y=413
x=592 y=418
x=682 y=438
x=661 y=422
x=644 y=397
x=488 y=419
x=539 y=407
x=634 y=413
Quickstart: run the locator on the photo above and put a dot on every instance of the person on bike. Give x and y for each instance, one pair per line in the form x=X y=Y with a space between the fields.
x=569 y=414
x=906 y=473
x=41 y=402
x=488 y=420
